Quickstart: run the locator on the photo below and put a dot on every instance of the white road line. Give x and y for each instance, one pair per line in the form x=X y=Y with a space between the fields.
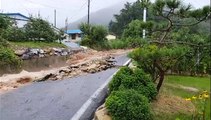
x=87 y=104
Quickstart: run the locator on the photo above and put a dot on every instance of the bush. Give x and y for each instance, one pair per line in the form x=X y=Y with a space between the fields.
x=133 y=79
x=95 y=36
x=124 y=72
x=129 y=42
x=117 y=44
x=8 y=60
x=128 y=105
x=3 y=42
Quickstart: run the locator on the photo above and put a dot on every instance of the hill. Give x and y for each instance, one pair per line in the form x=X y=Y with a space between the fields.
x=100 y=17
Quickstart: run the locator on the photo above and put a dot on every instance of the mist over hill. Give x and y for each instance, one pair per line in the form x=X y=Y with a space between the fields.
x=101 y=17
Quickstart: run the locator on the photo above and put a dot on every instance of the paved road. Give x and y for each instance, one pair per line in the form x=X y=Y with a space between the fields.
x=53 y=100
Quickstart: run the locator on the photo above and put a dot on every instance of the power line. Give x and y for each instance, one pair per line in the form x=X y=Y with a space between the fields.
x=81 y=8
x=49 y=6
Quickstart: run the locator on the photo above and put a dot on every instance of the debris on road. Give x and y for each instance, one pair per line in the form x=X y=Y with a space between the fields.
x=83 y=62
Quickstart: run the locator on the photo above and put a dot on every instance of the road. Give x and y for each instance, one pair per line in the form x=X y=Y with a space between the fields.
x=53 y=100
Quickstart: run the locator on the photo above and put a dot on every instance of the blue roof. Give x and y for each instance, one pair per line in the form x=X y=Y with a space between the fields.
x=74 y=31
x=13 y=14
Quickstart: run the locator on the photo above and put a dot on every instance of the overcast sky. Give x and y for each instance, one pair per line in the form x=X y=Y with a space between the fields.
x=73 y=9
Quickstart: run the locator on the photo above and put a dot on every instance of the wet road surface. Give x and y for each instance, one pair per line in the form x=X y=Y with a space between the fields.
x=53 y=100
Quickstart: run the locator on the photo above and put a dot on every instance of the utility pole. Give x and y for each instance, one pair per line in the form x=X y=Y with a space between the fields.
x=144 y=4
x=88 y=11
x=144 y=20
x=66 y=24
x=38 y=14
x=55 y=17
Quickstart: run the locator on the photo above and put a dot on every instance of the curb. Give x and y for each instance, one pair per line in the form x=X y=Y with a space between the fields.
x=87 y=110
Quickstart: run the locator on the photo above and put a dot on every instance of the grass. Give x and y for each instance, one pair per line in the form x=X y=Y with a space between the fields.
x=200 y=83
x=17 y=45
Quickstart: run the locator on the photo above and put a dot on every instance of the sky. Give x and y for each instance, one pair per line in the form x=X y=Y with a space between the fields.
x=71 y=9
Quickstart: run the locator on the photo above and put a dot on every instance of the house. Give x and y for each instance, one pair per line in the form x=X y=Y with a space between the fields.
x=19 y=19
x=74 y=35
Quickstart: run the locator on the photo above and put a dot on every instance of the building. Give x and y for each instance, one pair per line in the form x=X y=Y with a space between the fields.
x=74 y=35
x=19 y=19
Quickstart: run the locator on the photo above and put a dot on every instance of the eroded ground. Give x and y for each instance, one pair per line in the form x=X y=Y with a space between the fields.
x=88 y=61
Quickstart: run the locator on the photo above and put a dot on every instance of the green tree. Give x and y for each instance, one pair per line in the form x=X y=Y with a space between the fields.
x=127 y=14
x=7 y=57
x=38 y=29
x=94 y=36
x=162 y=52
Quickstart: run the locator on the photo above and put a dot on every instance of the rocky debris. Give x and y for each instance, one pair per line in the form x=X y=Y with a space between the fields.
x=44 y=78
x=92 y=66
x=31 y=53
x=102 y=114
x=24 y=80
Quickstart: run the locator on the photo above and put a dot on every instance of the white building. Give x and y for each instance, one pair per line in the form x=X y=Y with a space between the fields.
x=19 y=19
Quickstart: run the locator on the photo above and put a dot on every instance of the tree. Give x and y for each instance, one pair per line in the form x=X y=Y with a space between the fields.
x=7 y=56
x=94 y=36
x=4 y=24
x=135 y=28
x=127 y=14
x=38 y=29
x=162 y=52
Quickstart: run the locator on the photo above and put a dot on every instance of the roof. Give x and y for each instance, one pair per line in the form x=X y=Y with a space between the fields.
x=16 y=14
x=74 y=31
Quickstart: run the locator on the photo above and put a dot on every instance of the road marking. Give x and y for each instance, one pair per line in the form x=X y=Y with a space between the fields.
x=86 y=105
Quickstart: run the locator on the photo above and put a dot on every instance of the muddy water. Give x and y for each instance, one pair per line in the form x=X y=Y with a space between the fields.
x=37 y=64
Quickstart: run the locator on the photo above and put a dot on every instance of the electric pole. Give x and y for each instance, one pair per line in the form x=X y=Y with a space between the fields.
x=144 y=20
x=88 y=11
x=38 y=14
x=55 y=17
x=144 y=4
x=66 y=24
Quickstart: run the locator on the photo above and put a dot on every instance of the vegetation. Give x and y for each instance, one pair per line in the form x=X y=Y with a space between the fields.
x=94 y=36
x=28 y=44
x=31 y=35
x=36 y=29
x=129 y=13
x=136 y=79
x=176 y=41
x=128 y=105
x=200 y=83
x=7 y=56
x=130 y=93
x=162 y=51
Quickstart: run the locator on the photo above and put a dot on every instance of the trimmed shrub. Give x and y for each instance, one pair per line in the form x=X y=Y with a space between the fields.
x=128 y=105
x=136 y=79
x=123 y=73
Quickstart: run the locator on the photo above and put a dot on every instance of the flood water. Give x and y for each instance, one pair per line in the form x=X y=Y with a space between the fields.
x=38 y=64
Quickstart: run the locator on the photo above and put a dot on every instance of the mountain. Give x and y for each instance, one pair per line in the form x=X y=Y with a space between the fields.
x=101 y=17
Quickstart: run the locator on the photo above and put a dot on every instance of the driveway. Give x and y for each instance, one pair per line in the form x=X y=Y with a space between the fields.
x=53 y=100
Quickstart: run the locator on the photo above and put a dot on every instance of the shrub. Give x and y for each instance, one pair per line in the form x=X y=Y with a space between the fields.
x=3 y=42
x=9 y=59
x=128 y=105
x=118 y=44
x=95 y=36
x=124 y=72
x=136 y=79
